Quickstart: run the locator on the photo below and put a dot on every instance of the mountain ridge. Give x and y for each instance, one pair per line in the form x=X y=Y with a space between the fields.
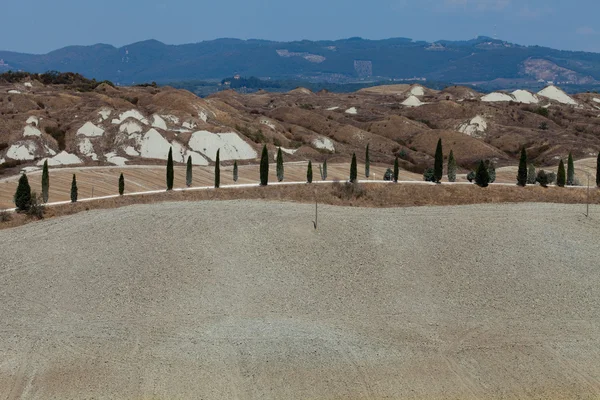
x=482 y=61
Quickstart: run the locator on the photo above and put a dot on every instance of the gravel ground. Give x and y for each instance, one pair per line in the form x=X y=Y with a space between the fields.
x=243 y=299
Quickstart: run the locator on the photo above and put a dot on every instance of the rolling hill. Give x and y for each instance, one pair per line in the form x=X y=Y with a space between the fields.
x=87 y=123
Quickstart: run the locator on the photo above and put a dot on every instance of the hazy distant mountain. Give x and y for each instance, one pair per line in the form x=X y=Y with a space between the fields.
x=486 y=61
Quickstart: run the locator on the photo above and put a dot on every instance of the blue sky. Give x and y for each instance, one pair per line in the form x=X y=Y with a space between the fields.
x=39 y=26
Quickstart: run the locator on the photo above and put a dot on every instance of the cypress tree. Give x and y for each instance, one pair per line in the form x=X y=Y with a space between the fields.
x=451 y=167
x=570 y=171
x=309 y=174
x=367 y=163
x=396 y=170
x=121 y=184
x=264 y=167
x=438 y=166
x=170 y=172
x=279 y=165
x=598 y=171
x=353 y=170
x=491 y=168
x=188 y=172
x=235 y=171
x=23 y=194
x=45 y=182
x=325 y=168
x=217 y=170
x=561 y=176
x=482 y=177
x=531 y=175
x=522 y=174
x=74 y=189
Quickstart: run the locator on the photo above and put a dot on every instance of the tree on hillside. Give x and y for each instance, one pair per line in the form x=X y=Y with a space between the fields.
x=482 y=177
x=598 y=170
x=235 y=171
x=264 y=167
x=471 y=176
x=561 y=177
x=121 y=184
x=542 y=178
x=23 y=194
x=309 y=174
x=170 y=172
x=367 y=163
x=217 y=170
x=491 y=168
x=396 y=170
x=45 y=182
x=438 y=166
x=531 y=175
x=570 y=171
x=522 y=174
x=325 y=169
x=451 y=167
x=353 y=169
x=188 y=172
x=279 y=165
x=74 y=189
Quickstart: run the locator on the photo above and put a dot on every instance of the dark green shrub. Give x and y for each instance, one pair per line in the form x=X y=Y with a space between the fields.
x=389 y=175
x=36 y=208
x=542 y=111
x=23 y=194
x=429 y=175
x=471 y=176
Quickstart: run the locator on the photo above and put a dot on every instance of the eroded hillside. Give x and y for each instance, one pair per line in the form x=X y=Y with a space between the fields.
x=107 y=125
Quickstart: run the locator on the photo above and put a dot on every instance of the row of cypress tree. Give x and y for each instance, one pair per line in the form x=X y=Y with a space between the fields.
x=23 y=195
x=526 y=175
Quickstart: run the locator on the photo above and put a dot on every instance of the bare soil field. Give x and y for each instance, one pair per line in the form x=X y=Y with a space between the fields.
x=244 y=299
